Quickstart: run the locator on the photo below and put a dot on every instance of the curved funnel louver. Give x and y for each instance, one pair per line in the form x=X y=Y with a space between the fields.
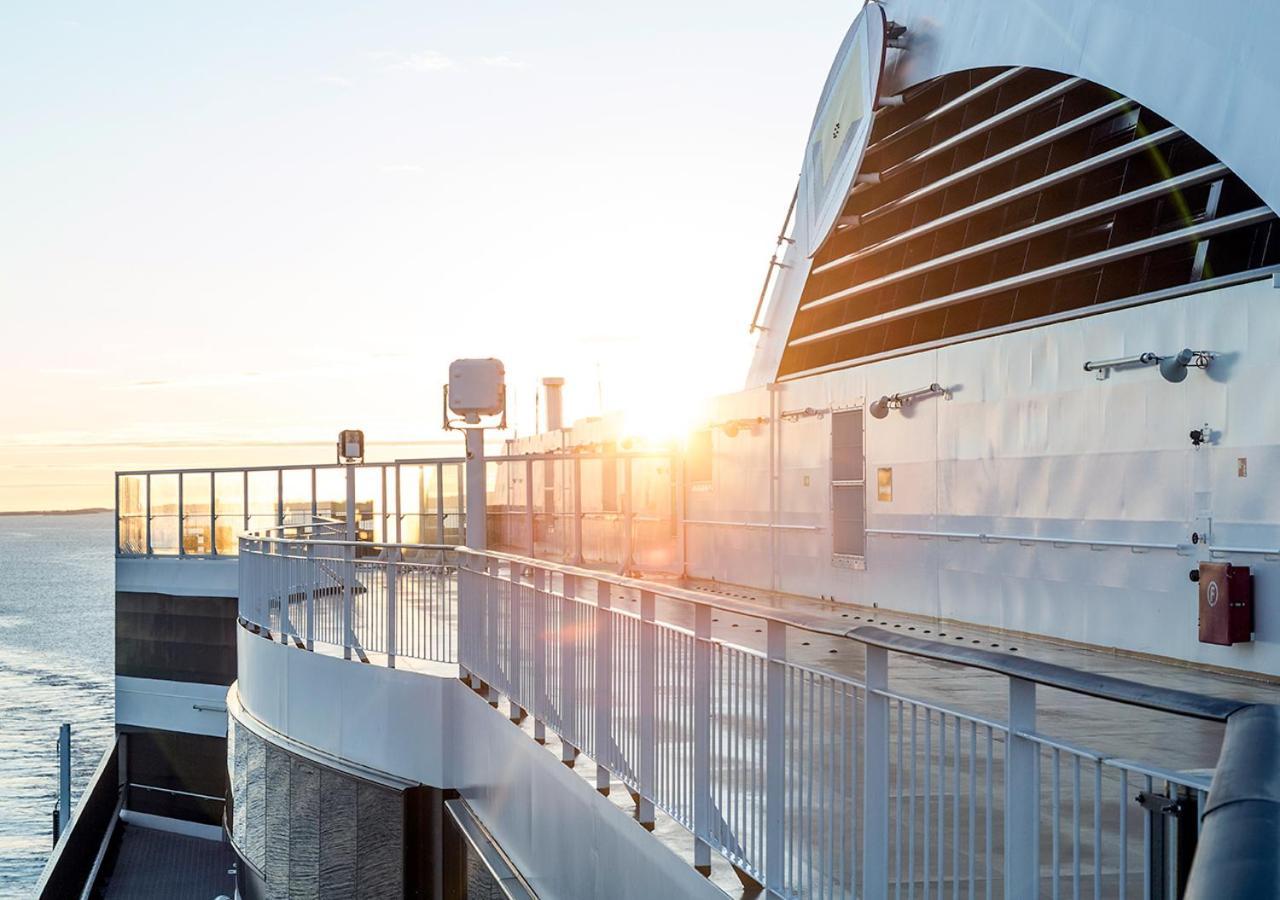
x=1016 y=196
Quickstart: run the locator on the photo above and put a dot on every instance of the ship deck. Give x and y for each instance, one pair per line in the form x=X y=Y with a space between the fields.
x=148 y=863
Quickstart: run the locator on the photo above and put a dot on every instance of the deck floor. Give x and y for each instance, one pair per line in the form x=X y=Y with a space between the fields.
x=150 y=864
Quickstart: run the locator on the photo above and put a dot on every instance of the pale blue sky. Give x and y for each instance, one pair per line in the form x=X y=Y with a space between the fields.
x=231 y=223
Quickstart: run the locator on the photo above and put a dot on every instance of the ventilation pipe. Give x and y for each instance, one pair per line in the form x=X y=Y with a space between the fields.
x=553 y=387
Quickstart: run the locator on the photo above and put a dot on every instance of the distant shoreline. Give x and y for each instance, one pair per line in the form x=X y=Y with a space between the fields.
x=86 y=511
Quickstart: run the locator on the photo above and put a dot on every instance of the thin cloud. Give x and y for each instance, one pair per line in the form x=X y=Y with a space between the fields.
x=335 y=81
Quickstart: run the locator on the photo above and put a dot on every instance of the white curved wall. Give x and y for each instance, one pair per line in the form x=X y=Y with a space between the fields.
x=562 y=836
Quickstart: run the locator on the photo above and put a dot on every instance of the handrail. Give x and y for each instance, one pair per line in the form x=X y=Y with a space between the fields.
x=987 y=538
x=1077 y=681
x=1103 y=687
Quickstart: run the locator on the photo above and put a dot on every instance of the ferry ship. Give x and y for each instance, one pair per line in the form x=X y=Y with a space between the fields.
x=970 y=592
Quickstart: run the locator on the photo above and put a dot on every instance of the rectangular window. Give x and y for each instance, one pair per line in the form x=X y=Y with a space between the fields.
x=698 y=459
x=848 y=485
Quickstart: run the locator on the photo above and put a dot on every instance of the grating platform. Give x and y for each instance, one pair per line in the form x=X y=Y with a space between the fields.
x=150 y=864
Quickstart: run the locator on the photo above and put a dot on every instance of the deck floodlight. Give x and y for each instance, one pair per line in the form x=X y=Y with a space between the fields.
x=1174 y=368
x=880 y=408
x=351 y=446
x=477 y=387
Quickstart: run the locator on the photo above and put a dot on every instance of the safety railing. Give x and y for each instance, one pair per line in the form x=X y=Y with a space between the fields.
x=201 y=512
x=809 y=779
x=306 y=585
x=815 y=783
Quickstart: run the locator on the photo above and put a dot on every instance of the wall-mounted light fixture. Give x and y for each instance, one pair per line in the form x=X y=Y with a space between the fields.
x=880 y=408
x=731 y=427
x=1172 y=368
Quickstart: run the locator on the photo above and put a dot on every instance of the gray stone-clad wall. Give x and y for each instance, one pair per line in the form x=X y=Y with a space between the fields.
x=314 y=831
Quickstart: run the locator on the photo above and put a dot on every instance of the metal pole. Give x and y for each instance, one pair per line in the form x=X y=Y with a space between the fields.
x=648 y=688
x=577 y=512
x=703 y=739
x=628 y=515
x=528 y=507
x=1020 y=794
x=677 y=472
x=182 y=513
x=64 y=778
x=349 y=555
x=540 y=580
x=477 y=534
x=775 y=756
x=875 y=761
x=213 y=515
x=603 y=682
x=391 y=608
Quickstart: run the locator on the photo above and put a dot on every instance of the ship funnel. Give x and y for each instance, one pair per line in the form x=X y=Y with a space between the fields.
x=554 y=388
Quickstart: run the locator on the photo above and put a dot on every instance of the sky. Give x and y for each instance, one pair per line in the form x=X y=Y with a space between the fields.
x=229 y=230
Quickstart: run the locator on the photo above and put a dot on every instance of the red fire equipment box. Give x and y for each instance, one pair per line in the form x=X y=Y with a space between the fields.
x=1226 y=603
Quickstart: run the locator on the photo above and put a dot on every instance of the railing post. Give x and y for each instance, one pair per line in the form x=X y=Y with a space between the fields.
x=775 y=756
x=182 y=518
x=648 y=686
x=1020 y=794
x=603 y=683
x=491 y=620
x=677 y=473
x=539 y=692
x=528 y=507
x=213 y=516
x=702 y=738
x=875 y=791
x=309 y=579
x=349 y=566
x=439 y=503
x=568 y=673
x=515 y=641
x=392 y=572
x=628 y=519
x=148 y=512
x=577 y=511
x=64 y=778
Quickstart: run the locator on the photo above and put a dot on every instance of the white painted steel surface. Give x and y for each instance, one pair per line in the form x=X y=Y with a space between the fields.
x=1216 y=77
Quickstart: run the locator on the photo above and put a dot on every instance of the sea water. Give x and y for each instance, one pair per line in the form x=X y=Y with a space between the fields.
x=57 y=619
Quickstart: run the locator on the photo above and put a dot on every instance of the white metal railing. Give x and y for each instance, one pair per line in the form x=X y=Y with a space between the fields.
x=812 y=781
x=308 y=585
x=201 y=512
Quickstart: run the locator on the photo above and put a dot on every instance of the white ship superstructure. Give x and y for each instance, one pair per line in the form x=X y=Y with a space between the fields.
x=971 y=590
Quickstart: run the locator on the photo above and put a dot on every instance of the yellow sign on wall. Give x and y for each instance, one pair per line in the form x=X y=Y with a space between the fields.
x=884 y=485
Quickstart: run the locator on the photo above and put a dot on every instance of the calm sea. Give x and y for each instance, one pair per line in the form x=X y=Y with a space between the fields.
x=56 y=665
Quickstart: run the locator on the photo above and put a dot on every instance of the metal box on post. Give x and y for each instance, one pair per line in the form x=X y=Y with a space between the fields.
x=1226 y=604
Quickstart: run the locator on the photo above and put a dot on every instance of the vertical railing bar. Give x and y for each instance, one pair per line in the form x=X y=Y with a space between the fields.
x=182 y=517
x=989 y=798
x=875 y=780
x=1055 y=810
x=1075 y=827
x=955 y=814
x=213 y=517
x=702 y=712
x=973 y=806
x=1124 y=834
x=911 y=828
x=148 y=511
x=776 y=710
x=1097 y=829
x=1020 y=790
x=897 y=812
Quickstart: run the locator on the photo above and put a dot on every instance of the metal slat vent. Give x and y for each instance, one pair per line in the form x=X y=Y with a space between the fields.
x=1012 y=196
